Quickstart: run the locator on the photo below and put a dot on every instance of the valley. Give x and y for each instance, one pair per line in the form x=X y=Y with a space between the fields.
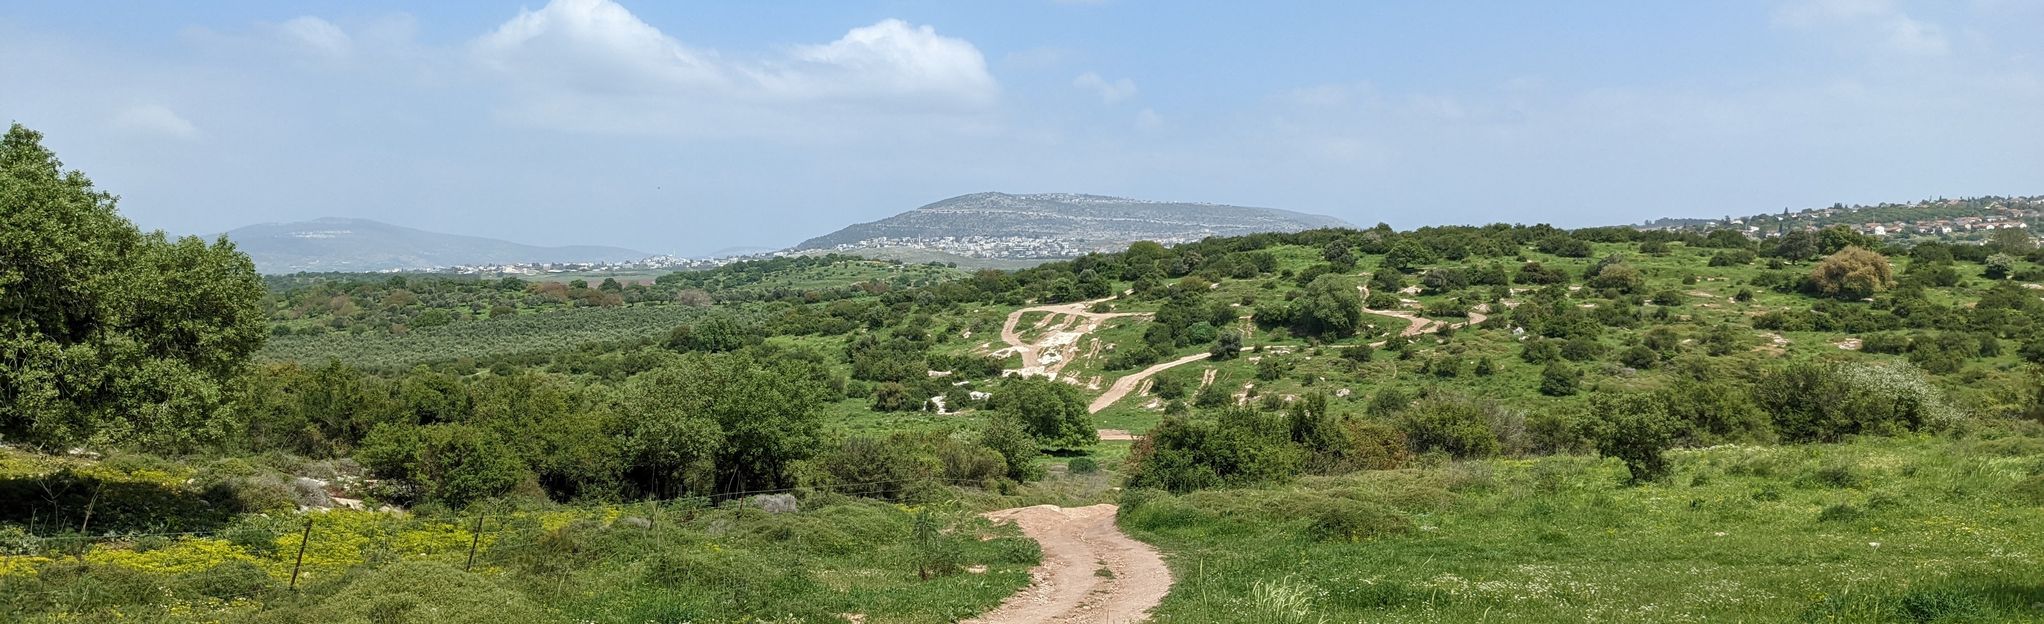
x=1453 y=423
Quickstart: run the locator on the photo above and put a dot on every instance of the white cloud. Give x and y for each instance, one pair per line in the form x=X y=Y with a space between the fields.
x=1110 y=92
x=890 y=58
x=152 y=119
x=1148 y=120
x=596 y=47
x=318 y=36
x=1879 y=25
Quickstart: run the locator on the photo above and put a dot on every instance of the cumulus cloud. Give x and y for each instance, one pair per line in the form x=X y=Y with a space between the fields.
x=154 y=120
x=890 y=58
x=599 y=47
x=1875 y=24
x=1109 y=92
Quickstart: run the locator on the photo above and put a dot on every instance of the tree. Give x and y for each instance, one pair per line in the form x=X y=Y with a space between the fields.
x=893 y=397
x=1559 y=380
x=2012 y=241
x=1797 y=245
x=1406 y=255
x=1619 y=276
x=1006 y=436
x=109 y=335
x=716 y=334
x=1051 y=411
x=1340 y=256
x=1852 y=273
x=1634 y=428
x=1839 y=237
x=1330 y=306
x=1227 y=346
x=455 y=464
x=753 y=417
x=2001 y=265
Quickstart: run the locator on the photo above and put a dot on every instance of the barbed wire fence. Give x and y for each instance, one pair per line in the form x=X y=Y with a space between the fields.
x=495 y=538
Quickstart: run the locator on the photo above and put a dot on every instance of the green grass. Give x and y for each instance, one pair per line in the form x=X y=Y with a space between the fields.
x=1878 y=530
x=620 y=563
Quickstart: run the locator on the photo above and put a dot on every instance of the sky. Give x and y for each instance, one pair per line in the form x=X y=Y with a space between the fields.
x=692 y=127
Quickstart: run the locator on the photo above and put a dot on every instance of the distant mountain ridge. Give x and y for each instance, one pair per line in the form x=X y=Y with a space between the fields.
x=338 y=244
x=1059 y=224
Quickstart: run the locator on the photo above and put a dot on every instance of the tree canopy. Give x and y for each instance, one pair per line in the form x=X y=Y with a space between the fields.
x=109 y=334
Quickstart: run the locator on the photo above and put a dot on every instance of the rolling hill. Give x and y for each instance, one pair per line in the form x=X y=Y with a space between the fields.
x=335 y=244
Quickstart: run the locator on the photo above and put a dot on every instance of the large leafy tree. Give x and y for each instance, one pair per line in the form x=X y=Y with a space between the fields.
x=1051 y=411
x=107 y=334
x=1852 y=273
x=1329 y=307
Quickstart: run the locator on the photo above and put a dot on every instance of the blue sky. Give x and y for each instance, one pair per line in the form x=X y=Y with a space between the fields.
x=689 y=127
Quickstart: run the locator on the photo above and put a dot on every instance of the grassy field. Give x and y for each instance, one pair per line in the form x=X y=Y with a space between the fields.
x=678 y=561
x=1879 y=530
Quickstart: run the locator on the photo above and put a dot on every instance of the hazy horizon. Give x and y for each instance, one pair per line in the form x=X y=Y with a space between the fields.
x=691 y=128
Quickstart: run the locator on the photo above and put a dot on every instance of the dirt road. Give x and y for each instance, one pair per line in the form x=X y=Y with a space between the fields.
x=1128 y=383
x=1065 y=340
x=1070 y=586
x=1415 y=324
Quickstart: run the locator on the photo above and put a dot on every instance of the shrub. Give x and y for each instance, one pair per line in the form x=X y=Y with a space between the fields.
x=1560 y=380
x=1825 y=402
x=1634 y=428
x=1640 y=357
x=1852 y=273
x=1456 y=426
x=1239 y=447
x=454 y=464
x=1344 y=520
x=229 y=580
x=1733 y=257
x=1841 y=512
x=1017 y=448
x=1051 y=411
x=1082 y=465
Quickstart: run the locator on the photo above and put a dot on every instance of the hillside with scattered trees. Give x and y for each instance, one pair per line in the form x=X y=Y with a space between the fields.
x=1512 y=422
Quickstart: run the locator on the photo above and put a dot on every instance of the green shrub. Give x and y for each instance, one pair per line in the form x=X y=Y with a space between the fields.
x=1841 y=512
x=1454 y=425
x=1835 y=476
x=2030 y=490
x=256 y=535
x=17 y=541
x=228 y=581
x=1082 y=465
x=1342 y=520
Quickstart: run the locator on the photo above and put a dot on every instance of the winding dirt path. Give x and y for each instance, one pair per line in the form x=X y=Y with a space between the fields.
x=1069 y=587
x=1415 y=324
x=1127 y=383
x=1080 y=322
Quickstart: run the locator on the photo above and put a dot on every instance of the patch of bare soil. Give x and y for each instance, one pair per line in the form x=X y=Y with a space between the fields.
x=1069 y=587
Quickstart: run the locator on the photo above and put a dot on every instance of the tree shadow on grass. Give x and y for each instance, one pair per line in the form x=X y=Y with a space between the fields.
x=66 y=501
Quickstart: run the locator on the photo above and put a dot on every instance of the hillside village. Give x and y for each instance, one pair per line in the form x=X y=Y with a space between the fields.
x=1960 y=220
